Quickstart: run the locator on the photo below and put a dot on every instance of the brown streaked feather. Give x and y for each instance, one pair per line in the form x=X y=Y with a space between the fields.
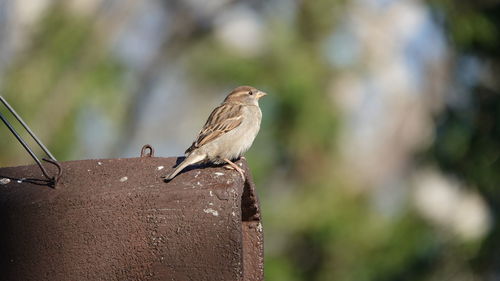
x=223 y=119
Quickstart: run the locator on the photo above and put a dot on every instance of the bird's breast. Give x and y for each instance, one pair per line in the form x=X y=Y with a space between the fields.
x=234 y=143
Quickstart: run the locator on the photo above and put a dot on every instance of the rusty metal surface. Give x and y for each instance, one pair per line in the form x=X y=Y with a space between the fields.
x=115 y=219
x=253 y=243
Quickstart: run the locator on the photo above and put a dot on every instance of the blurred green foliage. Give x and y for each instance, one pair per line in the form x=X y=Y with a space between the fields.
x=468 y=136
x=60 y=73
x=472 y=26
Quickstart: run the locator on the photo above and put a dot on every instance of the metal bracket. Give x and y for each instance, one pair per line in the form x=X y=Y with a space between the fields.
x=144 y=150
x=50 y=180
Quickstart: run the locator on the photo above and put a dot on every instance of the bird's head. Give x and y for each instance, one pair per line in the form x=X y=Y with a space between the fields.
x=246 y=95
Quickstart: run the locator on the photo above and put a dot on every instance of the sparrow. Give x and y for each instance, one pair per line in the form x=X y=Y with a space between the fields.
x=228 y=133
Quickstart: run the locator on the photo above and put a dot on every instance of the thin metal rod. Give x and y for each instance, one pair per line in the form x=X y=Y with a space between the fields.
x=27 y=129
x=52 y=181
x=18 y=137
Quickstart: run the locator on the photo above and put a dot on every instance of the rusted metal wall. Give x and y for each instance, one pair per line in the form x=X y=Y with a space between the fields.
x=115 y=219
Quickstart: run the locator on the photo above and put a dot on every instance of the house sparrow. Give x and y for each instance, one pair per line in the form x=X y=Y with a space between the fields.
x=228 y=133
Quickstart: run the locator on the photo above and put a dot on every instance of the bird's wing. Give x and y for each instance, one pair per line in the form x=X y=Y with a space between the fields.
x=223 y=119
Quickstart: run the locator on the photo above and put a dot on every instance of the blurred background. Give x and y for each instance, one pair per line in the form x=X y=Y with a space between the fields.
x=378 y=156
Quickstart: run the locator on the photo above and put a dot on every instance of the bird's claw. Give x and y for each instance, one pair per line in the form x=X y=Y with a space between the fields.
x=232 y=166
x=228 y=167
x=242 y=173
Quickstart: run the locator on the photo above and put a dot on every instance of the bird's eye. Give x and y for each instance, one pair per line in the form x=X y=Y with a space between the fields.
x=250 y=93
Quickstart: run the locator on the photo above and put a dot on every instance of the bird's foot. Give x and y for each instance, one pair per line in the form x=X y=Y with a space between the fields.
x=228 y=167
x=231 y=166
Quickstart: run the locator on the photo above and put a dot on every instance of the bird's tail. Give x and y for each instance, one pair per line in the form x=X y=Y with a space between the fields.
x=191 y=159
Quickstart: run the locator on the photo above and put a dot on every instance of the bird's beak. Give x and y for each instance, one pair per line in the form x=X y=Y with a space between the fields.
x=260 y=94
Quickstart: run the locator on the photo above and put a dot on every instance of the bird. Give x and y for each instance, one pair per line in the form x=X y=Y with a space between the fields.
x=228 y=132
